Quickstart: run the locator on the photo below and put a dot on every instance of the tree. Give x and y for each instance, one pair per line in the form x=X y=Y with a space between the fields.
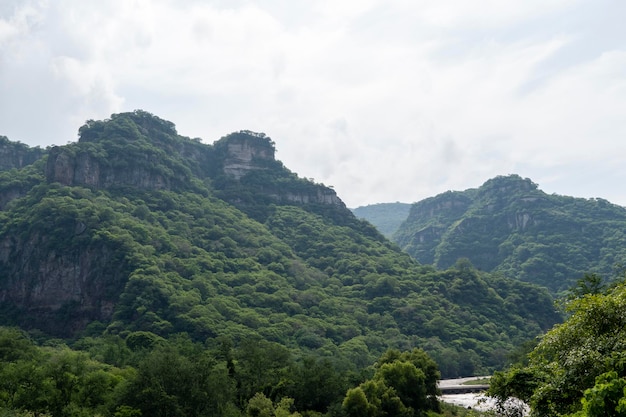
x=261 y=366
x=399 y=387
x=173 y=383
x=407 y=381
x=422 y=362
x=260 y=406
x=317 y=384
x=606 y=398
x=355 y=404
x=588 y=284
x=14 y=345
x=586 y=354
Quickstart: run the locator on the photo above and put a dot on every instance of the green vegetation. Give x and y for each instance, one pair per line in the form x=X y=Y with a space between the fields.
x=135 y=261
x=144 y=375
x=16 y=155
x=478 y=381
x=578 y=367
x=511 y=227
x=386 y=217
x=404 y=384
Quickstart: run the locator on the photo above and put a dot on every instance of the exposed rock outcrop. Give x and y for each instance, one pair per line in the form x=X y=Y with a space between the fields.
x=247 y=151
x=86 y=170
x=63 y=271
x=46 y=284
x=321 y=195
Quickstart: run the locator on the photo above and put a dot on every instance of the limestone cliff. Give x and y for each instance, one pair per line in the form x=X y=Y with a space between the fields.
x=247 y=151
x=137 y=150
x=318 y=195
x=249 y=158
x=60 y=291
x=67 y=168
x=64 y=258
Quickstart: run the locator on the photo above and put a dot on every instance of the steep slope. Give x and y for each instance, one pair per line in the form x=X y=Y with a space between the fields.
x=510 y=226
x=386 y=217
x=17 y=173
x=15 y=155
x=135 y=228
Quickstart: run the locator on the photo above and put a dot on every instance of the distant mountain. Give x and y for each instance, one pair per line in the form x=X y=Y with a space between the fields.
x=135 y=228
x=386 y=217
x=511 y=227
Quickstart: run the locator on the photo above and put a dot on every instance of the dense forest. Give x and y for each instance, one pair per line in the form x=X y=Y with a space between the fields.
x=146 y=273
x=144 y=374
x=509 y=226
x=578 y=368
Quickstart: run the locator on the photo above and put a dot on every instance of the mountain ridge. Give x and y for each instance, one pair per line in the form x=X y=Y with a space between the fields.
x=137 y=229
x=509 y=225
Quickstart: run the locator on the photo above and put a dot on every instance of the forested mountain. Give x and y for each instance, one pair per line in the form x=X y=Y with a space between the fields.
x=387 y=217
x=135 y=237
x=17 y=155
x=509 y=226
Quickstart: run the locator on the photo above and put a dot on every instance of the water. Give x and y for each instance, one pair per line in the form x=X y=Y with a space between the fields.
x=478 y=401
x=468 y=400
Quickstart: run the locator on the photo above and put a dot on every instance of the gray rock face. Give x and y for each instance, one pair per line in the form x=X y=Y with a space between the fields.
x=43 y=281
x=250 y=152
x=245 y=155
x=85 y=170
x=321 y=196
x=64 y=285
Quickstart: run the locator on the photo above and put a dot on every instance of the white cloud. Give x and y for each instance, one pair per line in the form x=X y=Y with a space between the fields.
x=384 y=100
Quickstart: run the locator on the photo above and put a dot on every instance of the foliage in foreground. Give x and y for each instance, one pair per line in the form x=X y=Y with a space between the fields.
x=404 y=385
x=145 y=375
x=579 y=367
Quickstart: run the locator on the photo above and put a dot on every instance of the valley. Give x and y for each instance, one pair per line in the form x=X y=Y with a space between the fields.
x=146 y=273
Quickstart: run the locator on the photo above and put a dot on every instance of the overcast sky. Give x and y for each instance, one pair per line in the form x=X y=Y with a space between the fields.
x=386 y=100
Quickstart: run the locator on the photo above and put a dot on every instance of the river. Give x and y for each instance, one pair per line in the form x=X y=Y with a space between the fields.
x=473 y=400
x=476 y=401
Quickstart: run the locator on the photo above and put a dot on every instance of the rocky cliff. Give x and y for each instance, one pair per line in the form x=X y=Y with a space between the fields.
x=247 y=151
x=84 y=169
x=59 y=291
x=510 y=226
x=318 y=195
x=249 y=158
x=137 y=150
x=63 y=255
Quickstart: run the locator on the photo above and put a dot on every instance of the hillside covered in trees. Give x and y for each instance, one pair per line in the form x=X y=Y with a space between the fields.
x=509 y=226
x=136 y=256
x=387 y=217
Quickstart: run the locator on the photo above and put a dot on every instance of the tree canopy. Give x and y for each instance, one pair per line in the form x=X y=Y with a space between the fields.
x=509 y=226
x=578 y=367
x=151 y=280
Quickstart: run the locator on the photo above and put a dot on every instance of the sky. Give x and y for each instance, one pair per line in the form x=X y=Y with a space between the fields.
x=385 y=100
